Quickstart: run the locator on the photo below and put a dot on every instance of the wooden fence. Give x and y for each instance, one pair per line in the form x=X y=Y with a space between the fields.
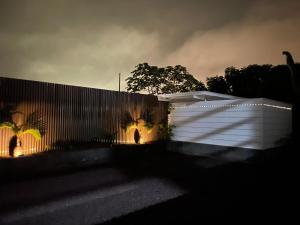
x=70 y=113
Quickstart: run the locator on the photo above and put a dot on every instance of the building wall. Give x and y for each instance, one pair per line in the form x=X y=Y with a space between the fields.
x=73 y=113
x=243 y=123
x=277 y=123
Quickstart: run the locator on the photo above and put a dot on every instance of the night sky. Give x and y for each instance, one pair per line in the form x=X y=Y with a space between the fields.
x=87 y=43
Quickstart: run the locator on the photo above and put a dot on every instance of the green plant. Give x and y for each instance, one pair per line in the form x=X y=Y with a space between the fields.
x=33 y=125
x=127 y=122
x=171 y=107
x=165 y=131
x=148 y=118
x=22 y=130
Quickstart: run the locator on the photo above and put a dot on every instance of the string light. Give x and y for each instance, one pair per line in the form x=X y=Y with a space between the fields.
x=279 y=107
x=234 y=105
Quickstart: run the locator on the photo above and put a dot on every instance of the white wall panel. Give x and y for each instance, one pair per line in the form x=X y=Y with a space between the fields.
x=247 y=123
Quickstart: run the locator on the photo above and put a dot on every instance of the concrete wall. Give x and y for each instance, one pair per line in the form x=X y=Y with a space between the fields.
x=243 y=123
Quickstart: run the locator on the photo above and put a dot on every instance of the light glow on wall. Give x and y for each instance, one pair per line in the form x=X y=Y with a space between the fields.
x=146 y=135
x=72 y=114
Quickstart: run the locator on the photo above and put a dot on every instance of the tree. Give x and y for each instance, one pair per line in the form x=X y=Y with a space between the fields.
x=217 y=84
x=234 y=80
x=177 y=79
x=166 y=80
x=256 y=81
x=146 y=78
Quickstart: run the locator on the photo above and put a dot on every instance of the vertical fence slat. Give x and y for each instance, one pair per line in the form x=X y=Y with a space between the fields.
x=72 y=113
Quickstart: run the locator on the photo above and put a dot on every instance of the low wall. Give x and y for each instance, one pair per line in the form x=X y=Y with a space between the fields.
x=53 y=161
x=59 y=161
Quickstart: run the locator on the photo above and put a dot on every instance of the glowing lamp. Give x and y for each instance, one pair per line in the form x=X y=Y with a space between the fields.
x=142 y=141
x=18 y=151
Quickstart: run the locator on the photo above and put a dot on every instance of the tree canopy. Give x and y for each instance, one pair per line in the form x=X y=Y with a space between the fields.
x=254 y=81
x=165 y=80
x=217 y=84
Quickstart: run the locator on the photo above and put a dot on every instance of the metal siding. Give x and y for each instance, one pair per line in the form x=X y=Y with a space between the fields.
x=72 y=113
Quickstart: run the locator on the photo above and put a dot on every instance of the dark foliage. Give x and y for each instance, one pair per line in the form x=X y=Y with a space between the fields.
x=217 y=84
x=254 y=81
x=35 y=121
x=166 y=80
x=126 y=120
x=148 y=116
x=6 y=112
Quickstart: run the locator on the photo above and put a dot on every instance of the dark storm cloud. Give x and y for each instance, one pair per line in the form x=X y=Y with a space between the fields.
x=267 y=28
x=33 y=15
x=89 y=42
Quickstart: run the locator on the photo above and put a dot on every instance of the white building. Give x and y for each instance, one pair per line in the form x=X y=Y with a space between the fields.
x=217 y=120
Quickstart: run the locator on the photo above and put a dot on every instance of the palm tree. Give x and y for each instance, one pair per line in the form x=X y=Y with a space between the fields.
x=145 y=120
x=33 y=125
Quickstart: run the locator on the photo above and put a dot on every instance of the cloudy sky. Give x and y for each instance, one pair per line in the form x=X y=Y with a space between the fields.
x=87 y=43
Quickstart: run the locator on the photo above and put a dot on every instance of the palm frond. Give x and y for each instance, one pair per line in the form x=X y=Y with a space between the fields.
x=130 y=126
x=148 y=117
x=10 y=125
x=34 y=121
x=127 y=120
x=7 y=125
x=34 y=132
